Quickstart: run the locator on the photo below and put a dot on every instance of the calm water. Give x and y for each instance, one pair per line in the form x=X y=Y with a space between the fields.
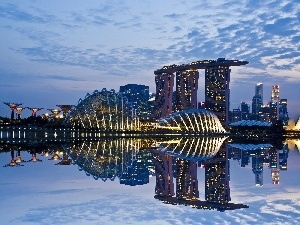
x=204 y=180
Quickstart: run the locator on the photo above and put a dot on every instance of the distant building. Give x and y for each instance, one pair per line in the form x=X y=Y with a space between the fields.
x=236 y=115
x=283 y=113
x=138 y=96
x=259 y=91
x=245 y=111
x=257 y=101
x=275 y=94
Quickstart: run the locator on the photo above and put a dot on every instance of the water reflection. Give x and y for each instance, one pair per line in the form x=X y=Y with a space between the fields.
x=174 y=163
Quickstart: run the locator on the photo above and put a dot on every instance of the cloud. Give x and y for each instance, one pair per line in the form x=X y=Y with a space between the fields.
x=12 y=12
x=59 y=77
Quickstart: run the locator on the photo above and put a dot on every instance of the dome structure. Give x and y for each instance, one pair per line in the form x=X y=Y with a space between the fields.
x=193 y=121
x=103 y=110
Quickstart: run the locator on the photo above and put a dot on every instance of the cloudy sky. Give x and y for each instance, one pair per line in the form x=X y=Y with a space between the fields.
x=54 y=52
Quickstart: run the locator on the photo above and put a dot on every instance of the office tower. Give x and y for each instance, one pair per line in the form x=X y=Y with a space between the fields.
x=275 y=94
x=186 y=179
x=245 y=111
x=259 y=91
x=283 y=113
x=186 y=89
x=164 y=91
x=138 y=96
x=217 y=91
x=217 y=178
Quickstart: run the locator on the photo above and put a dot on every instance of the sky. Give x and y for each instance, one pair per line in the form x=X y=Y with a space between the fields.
x=55 y=52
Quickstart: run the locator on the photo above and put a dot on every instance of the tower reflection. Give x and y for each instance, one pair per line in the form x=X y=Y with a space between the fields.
x=174 y=162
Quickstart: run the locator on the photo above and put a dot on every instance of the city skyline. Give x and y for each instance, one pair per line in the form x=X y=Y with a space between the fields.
x=56 y=53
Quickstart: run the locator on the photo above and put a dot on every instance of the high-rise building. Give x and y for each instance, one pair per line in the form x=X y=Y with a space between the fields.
x=283 y=113
x=138 y=96
x=186 y=89
x=217 y=91
x=164 y=91
x=257 y=101
x=275 y=94
x=259 y=91
x=273 y=111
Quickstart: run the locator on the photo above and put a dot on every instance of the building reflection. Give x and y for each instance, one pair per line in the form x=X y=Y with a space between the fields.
x=261 y=155
x=174 y=162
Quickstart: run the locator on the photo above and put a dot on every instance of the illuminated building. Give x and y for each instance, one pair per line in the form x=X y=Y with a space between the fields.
x=34 y=110
x=186 y=89
x=164 y=91
x=274 y=165
x=217 y=91
x=275 y=94
x=217 y=77
x=217 y=178
x=12 y=107
x=192 y=120
x=186 y=179
x=103 y=110
x=137 y=96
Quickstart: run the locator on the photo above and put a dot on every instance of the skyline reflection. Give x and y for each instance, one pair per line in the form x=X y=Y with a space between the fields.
x=133 y=160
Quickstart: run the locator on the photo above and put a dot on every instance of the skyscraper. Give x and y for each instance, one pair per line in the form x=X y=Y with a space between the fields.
x=259 y=91
x=217 y=91
x=283 y=113
x=257 y=100
x=275 y=94
x=138 y=96
x=164 y=91
x=186 y=89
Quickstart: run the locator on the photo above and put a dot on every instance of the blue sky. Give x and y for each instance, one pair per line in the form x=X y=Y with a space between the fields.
x=54 y=52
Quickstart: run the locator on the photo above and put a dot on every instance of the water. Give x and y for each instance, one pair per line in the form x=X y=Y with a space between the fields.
x=202 y=180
